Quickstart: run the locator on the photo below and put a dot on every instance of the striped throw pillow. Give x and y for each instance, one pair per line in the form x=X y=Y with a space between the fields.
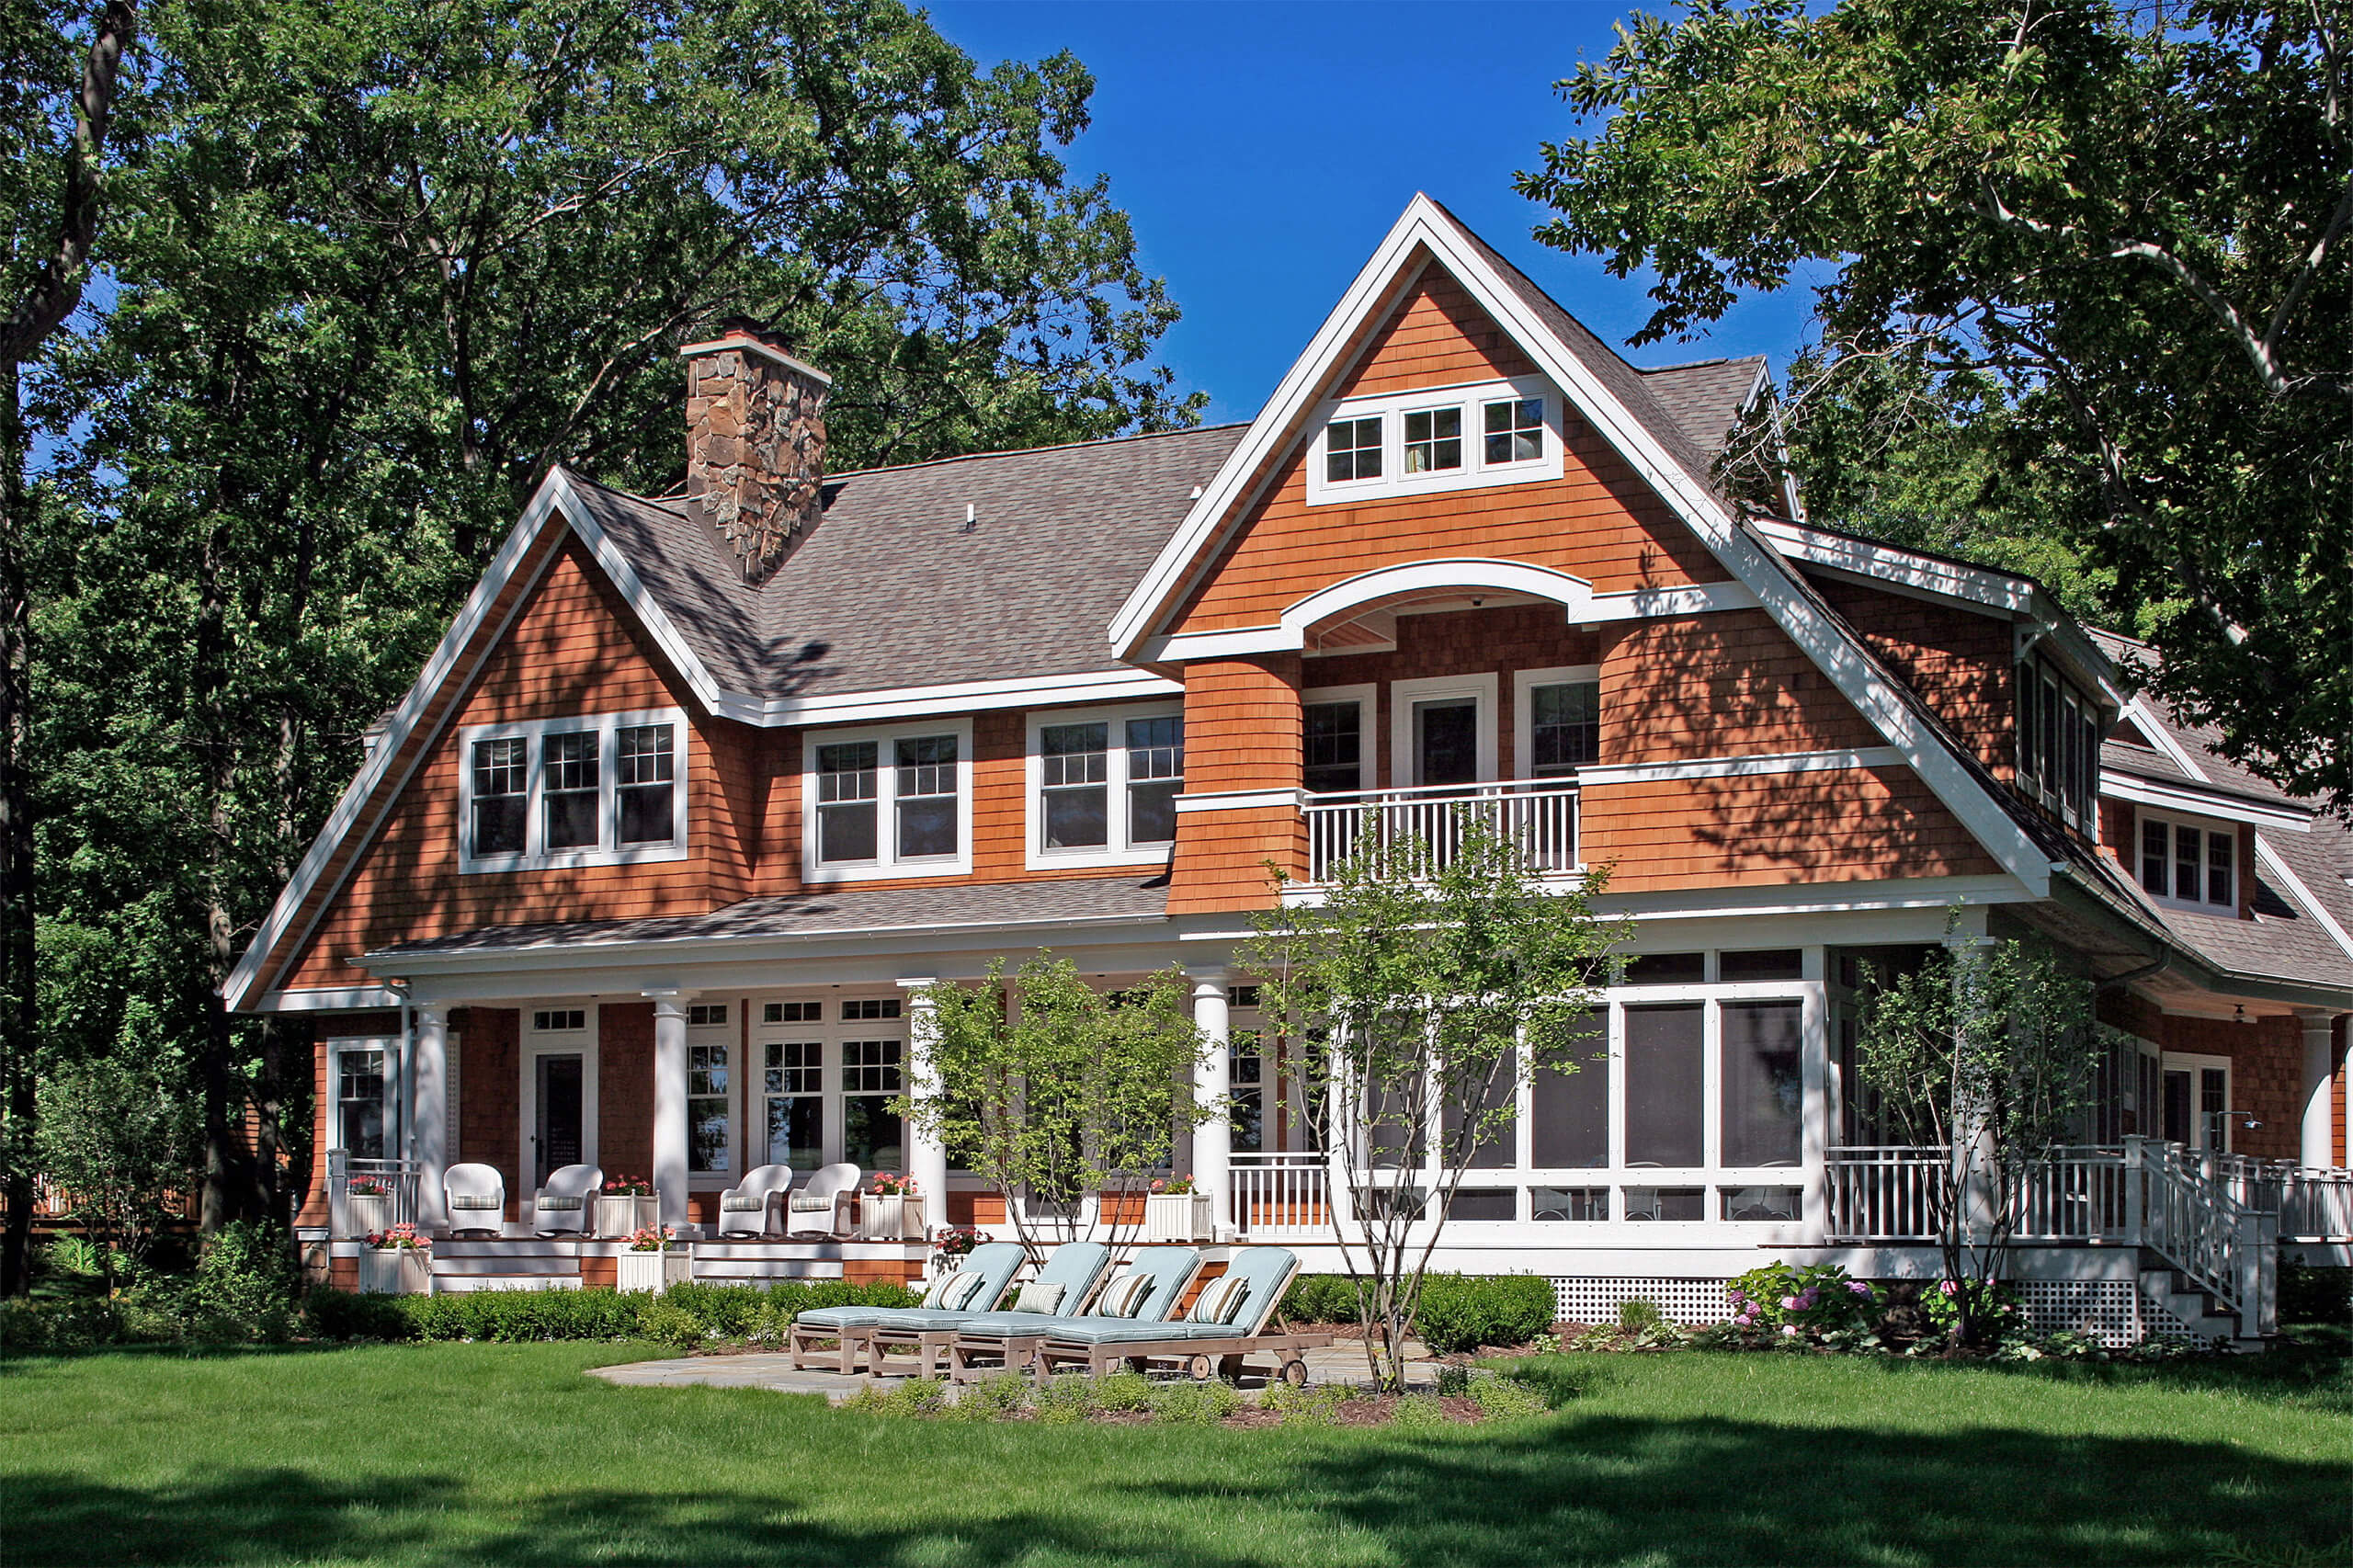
x=953 y=1280
x=1123 y=1297
x=1219 y=1298
x=1038 y=1296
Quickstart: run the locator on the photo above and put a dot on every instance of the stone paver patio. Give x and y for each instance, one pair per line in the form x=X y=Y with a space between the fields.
x=1342 y=1363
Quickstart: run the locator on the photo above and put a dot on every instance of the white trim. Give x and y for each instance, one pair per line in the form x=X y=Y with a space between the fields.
x=754 y=346
x=392 y=1113
x=1240 y=800
x=608 y=851
x=1117 y=850
x=1745 y=767
x=532 y=1043
x=1404 y=758
x=2199 y=905
x=2196 y=802
x=1475 y=474
x=962 y=697
x=2145 y=719
x=2197 y=1065
x=1869 y=558
x=1365 y=694
x=886 y=863
x=2270 y=860
x=1523 y=705
x=1425 y=225
x=1586 y=608
x=349 y=998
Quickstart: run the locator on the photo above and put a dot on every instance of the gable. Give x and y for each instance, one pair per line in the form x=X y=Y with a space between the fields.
x=1436 y=336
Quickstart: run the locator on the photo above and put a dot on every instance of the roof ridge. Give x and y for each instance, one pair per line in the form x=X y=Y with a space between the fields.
x=1701 y=364
x=1026 y=451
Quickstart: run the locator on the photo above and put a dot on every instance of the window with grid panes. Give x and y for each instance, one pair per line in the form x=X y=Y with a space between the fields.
x=926 y=795
x=707 y=1118
x=360 y=1102
x=2190 y=864
x=1352 y=449
x=793 y=1081
x=1514 y=429
x=1564 y=722
x=846 y=786
x=648 y=768
x=791 y=1011
x=1333 y=736
x=872 y=1138
x=574 y=800
x=1434 y=441
x=502 y=797
x=1155 y=773
x=1074 y=782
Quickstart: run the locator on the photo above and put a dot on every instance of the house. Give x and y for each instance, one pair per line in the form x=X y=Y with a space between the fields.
x=649 y=867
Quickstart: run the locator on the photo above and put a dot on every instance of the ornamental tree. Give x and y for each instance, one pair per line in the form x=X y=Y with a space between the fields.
x=1420 y=992
x=1059 y=1095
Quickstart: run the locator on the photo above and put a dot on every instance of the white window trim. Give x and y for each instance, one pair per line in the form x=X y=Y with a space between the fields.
x=1366 y=697
x=535 y=1043
x=730 y=1035
x=1476 y=472
x=534 y=855
x=2204 y=825
x=2197 y=1066
x=886 y=863
x=1117 y=851
x=1523 y=708
x=1402 y=694
x=390 y=1046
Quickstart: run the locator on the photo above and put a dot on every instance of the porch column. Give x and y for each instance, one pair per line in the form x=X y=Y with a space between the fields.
x=1214 y=1139
x=926 y=1155
x=670 y=1103
x=2319 y=1080
x=429 y=1145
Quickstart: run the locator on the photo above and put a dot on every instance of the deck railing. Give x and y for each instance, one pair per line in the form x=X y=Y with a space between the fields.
x=365 y=1197
x=2190 y=1219
x=1541 y=814
x=1275 y=1193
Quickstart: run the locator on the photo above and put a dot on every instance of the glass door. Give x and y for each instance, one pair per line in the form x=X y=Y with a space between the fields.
x=559 y=1116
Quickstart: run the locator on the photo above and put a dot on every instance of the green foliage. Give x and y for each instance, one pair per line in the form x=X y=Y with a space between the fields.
x=248 y=1271
x=1123 y=1392
x=907 y=1397
x=673 y=1325
x=346 y=1315
x=1321 y=1297
x=1510 y=1397
x=120 y=1142
x=1065 y=1401
x=1465 y=1311
x=2054 y=202
x=1074 y=1092
x=1635 y=1314
x=1187 y=1403
x=1989 y=1307
x=1425 y=991
x=2310 y=1294
x=1816 y=1299
x=684 y=1315
x=1311 y=1405
x=1419 y=1412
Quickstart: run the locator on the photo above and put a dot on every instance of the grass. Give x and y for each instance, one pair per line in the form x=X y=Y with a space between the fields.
x=507 y=1454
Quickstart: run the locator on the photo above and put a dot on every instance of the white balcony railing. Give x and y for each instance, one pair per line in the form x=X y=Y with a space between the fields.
x=367 y=1197
x=1274 y=1194
x=1539 y=813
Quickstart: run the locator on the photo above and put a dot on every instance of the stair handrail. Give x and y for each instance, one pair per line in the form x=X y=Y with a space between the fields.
x=2189 y=1218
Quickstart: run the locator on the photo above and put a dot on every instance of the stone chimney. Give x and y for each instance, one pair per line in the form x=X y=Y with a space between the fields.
x=756 y=442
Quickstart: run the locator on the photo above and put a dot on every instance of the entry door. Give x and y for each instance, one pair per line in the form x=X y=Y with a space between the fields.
x=560 y=1116
x=1445 y=741
x=2197 y=1107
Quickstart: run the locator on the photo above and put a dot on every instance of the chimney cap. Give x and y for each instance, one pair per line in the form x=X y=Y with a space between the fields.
x=745 y=335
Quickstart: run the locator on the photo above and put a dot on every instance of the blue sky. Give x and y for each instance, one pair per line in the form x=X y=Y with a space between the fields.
x=1263 y=149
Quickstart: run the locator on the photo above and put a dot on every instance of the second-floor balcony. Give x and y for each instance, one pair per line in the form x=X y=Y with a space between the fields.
x=1540 y=814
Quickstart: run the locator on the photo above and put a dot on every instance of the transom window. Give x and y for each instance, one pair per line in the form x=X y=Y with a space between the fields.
x=791 y=1011
x=706 y=1015
x=1403 y=443
x=2190 y=864
x=559 y=1021
x=1105 y=787
x=595 y=790
x=884 y=805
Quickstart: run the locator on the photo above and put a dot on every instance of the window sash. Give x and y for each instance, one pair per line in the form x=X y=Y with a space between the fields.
x=1332 y=746
x=1514 y=428
x=1565 y=728
x=1352 y=449
x=1434 y=441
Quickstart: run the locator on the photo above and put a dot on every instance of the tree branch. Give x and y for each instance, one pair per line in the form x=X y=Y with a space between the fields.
x=57 y=290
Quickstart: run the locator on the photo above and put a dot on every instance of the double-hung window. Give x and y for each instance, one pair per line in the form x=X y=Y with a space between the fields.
x=599 y=789
x=1557 y=722
x=1435 y=439
x=2195 y=865
x=2059 y=736
x=1333 y=739
x=1104 y=786
x=889 y=802
x=359 y=1101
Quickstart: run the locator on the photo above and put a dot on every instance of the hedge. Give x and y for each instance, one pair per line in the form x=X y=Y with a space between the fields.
x=1458 y=1311
x=711 y=1312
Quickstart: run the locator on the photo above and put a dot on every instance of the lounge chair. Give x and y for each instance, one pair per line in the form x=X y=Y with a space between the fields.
x=1206 y=1349
x=743 y=1209
x=1013 y=1338
x=566 y=1205
x=982 y=1277
x=828 y=1192
x=1067 y=1278
x=476 y=1199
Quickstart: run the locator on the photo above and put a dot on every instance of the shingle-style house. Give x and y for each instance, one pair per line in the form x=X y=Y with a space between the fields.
x=647 y=868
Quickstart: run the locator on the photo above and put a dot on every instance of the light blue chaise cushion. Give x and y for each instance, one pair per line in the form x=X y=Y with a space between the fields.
x=1266 y=1272
x=994 y=1261
x=1169 y=1268
x=1075 y=1265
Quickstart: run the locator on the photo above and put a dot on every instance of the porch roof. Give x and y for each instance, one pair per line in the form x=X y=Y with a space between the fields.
x=846 y=912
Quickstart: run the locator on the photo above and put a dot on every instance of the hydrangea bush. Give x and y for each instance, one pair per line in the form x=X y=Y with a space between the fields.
x=1803 y=1304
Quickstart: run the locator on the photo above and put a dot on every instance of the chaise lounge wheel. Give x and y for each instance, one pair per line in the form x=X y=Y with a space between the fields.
x=1202 y=1367
x=1294 y=1374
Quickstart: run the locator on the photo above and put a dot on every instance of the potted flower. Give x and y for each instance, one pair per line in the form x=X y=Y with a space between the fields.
x=891 y=1209
x=625 y=1206
x=1174 y=1211
x=397 y=1261
x=367 y=1206
x=953 y=1241
x=655 y=1260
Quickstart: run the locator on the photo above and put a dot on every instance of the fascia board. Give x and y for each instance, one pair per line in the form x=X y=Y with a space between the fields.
x=236 y=990
x=963 y=697
x=2272 y=862
x=2194 y=802
x=1866 y=558
x=2150 y=723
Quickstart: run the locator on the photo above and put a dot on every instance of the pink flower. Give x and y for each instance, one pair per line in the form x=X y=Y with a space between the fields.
x=1858 y=1287
x=1789 y=1331
x=1790 y=1303
x=1950 y=1288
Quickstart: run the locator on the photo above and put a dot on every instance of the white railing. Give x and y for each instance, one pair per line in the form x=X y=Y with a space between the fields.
x=366 y=1197
x=1541 y=814
x=1278 y=1193
x=2078 y=1195
x=1884 y=1194
x=2316 y=1205
x=2189 y=1218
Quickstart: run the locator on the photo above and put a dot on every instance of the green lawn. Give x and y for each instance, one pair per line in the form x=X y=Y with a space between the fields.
x=465 y=1453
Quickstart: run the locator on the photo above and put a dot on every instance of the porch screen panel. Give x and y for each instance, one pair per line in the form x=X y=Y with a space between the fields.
x=1764 y=1095
x=1664 y=1084
x=1465 y=1113
x=1569 y=1111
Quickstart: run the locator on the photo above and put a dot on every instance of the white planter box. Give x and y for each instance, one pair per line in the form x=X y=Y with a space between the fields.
x=889 y=1219
x=654 y=1271
x=1177 y=1216
x=396 y=1271
x=619 y=1218
x=367 y=1214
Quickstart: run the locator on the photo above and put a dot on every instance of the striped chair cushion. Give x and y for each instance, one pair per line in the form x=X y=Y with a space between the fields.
x=743 y=1202
x=475 y=1200
x=1122 y=1296
x=805 y=1203
x=546 y=1202
x=1218 y=1301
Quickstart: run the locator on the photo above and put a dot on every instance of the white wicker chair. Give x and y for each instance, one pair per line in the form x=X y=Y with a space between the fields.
x=566 y=1206
x=828 y=1192
x=743 y=1209
x=476 y=1198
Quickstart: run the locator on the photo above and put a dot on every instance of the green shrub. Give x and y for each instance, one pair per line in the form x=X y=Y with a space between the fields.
x=1635 y=1314
x=1122 y=1390
x=1453 y=1379
x=1420 y=1412
x=673 y=1325
x=72 y=1324
x=247 y=1274
x=1508 y=1398
x=1461 y=1313
x=1065 y=1401
x=72 y=1254
x=1818 y=1299
x=1189 y=1404
x=1321 y=1297
x=2316 y=1295
x=346 y=1315
x=1316 y=1405
x=999 y=1398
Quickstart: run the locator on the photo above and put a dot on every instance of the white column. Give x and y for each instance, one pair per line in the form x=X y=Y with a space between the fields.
x=2316 y=1146
x=1214 y=1139
x=430 y=1085
x=926 y=1155
x=670 y=1103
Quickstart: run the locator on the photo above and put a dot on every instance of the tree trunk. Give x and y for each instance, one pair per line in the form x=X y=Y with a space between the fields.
x=229 y=1184
x=19 y=1001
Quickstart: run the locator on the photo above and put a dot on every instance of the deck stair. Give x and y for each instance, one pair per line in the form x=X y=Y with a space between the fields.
x=761 y=1263
x=505 y=1263
x=2167 y=1289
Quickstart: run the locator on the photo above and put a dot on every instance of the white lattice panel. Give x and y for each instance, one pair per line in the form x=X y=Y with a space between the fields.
x=1589 y=1298
x=2111 y=1310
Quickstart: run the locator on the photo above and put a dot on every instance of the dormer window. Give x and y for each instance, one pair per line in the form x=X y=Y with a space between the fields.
x=1425 y=440
x=2059 y=737
x=2192 y=865
x=596 y=791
